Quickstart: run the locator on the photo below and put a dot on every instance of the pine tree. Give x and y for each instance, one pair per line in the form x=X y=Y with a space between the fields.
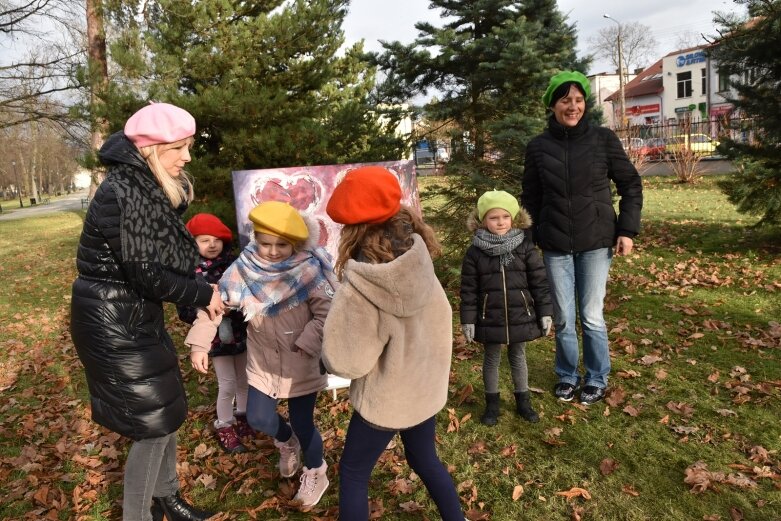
x=752 y=46
x=488 y=65
x=266 y=82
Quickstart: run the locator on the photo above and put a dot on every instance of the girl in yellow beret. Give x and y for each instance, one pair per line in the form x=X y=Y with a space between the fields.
x=283 y=284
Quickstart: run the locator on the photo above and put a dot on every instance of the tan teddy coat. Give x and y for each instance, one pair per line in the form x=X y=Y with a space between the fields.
x=390 y=330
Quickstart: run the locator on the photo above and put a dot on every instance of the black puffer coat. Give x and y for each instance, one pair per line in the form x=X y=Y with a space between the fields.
x=505 y=302
x=566 y=188
x=134 y=253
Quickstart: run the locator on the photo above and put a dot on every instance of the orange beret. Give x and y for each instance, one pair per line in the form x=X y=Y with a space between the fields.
x=369 y=194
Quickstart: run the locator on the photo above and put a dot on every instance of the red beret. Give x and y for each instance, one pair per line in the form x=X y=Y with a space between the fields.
x=208 y=224
x=369 y=194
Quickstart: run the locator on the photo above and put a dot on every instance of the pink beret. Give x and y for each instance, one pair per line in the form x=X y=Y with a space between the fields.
x=369 y=194
x=159 y=123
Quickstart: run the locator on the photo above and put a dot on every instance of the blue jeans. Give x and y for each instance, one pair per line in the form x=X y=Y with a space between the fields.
x=262 y=416
x=362 y=449
x=582 y=278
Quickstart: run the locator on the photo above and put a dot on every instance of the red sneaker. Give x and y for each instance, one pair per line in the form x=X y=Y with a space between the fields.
x=229 y=440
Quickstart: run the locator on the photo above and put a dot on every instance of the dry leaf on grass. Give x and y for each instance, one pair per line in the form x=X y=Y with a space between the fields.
x=608 y=466
x=517 y=492
x=575 y=492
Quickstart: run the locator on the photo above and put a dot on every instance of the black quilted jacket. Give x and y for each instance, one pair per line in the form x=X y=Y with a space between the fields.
x=566 y=188
x=117 y=322
x=505 y=302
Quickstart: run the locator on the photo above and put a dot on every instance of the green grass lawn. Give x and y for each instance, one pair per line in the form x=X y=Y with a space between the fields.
x=690 y=429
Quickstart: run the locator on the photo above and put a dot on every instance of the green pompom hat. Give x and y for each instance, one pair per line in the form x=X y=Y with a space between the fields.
x=563 y=77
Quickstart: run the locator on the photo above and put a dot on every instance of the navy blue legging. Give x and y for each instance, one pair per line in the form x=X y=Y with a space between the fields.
x=363 y=448
x=262 y=416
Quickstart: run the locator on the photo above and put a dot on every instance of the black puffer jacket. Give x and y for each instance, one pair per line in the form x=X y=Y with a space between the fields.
x=505 y=302
x=566 y=188
x=134 y=253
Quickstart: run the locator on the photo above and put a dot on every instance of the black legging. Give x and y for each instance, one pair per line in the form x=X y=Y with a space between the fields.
x=363 y=448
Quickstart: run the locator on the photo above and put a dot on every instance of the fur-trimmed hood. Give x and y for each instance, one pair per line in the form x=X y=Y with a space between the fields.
x=523 y=220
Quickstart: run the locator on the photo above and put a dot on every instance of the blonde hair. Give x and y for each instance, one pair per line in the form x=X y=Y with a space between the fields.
x=383 y=242
x=178 y=189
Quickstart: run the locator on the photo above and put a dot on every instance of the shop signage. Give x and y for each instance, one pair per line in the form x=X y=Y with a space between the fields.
x=679 y=110
x=690 y=59
x=643 y=109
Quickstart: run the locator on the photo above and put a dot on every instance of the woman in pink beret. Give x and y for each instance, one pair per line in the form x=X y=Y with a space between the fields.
x=134 y=254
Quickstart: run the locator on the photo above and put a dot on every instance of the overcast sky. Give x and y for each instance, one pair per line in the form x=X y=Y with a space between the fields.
x=669 y=20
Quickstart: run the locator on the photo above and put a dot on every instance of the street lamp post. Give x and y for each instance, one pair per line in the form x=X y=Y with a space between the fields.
x=18 y=186
x=620 y=70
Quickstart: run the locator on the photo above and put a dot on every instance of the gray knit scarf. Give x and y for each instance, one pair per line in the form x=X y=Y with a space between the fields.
x=498 y=245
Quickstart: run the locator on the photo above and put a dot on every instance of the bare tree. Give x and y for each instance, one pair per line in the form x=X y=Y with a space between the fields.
x=688 y=39
x=41 y=49
x=638 y=45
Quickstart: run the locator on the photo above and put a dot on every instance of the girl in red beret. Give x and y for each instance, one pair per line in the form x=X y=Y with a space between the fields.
x=228 y=349
x=390 y=331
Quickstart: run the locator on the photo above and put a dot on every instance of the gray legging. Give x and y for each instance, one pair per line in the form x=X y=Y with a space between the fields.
x=516 y=354
x=150 y=472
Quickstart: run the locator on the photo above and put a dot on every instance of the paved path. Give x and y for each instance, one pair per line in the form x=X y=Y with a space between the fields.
x=66 y=203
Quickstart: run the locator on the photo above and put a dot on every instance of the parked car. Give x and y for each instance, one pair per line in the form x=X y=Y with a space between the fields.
x=632 y=144
x=653 y=148
x=700 y=144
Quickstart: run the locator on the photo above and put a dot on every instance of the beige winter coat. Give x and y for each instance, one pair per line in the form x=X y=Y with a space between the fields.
x=283 y=352
x=390 y=330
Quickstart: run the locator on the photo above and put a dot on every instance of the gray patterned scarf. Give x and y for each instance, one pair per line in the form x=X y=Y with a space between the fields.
x=498 y=245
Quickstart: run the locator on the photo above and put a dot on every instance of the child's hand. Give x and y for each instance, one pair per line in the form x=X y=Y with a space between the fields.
x=546 y=323
x=469 y=332
x=200 y=361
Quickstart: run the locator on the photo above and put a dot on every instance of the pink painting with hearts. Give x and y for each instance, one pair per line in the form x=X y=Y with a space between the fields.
x=307 y=189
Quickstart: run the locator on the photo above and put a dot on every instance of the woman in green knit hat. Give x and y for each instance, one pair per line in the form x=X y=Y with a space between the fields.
x=567 y=190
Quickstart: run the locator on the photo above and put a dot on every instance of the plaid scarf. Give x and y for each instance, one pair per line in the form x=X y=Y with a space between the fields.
x=259 y=287
x=498 y=245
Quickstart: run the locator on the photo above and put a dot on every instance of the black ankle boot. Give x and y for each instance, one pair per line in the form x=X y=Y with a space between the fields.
x=491 y=414
x=157 y=512
x=523 y=406
x=177 y=509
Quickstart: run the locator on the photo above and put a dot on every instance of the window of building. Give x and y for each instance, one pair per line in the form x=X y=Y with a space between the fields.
x=704 y=82
x=685 y=84
x=723 y=81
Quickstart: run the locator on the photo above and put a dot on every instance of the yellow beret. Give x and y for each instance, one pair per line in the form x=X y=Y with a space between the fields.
x=279 y=219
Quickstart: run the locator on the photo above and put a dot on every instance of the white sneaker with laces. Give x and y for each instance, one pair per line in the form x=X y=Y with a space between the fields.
x=289 y=456
x=314 y=483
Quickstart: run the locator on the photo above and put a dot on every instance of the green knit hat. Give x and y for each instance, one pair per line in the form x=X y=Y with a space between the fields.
x=497 y=199
x=561 y=78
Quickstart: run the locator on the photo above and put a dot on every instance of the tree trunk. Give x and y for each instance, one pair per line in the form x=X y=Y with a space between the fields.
x=98 y=78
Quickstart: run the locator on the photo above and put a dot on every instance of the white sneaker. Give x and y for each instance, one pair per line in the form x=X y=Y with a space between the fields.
x=289 y=456
x=314 y=483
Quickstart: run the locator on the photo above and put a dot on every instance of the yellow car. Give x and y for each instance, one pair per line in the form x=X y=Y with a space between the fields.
x=700 y=144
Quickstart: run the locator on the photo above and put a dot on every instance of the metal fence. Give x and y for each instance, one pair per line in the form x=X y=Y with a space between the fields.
x=698 y=136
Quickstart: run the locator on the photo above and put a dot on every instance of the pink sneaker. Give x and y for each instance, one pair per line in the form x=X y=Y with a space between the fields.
x=243 y=428
x=229 y=440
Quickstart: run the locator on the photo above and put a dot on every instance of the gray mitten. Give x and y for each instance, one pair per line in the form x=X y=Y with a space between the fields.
x=469 y=332
x=226 y=331
x=546 y=323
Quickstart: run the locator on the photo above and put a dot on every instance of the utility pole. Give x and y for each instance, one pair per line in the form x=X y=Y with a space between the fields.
x=620 y=71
